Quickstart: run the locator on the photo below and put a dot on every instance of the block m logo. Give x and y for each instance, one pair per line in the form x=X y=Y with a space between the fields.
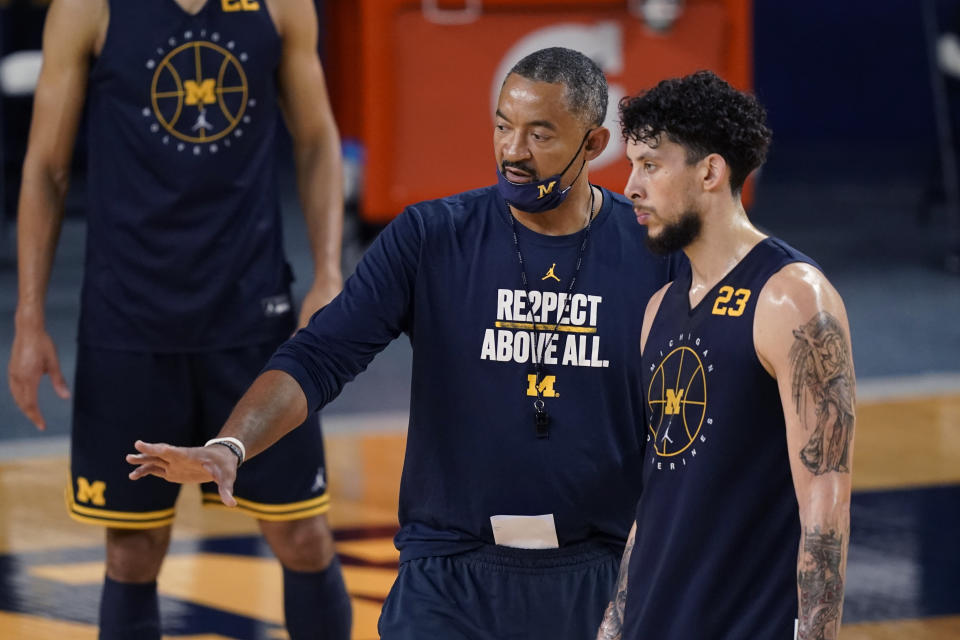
x=544 y=190
x=546 y=386
x=202 y=92
x=673 y=402
x=87 y=492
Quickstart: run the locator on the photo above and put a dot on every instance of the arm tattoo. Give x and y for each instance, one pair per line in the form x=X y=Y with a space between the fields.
x=611 y=628
x=820 y=580
x=823 y=371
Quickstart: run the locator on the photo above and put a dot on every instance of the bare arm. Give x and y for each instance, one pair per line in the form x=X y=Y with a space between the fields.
x=273 y=406
x=73 y=32
x=802 y=336
x=316 y=146
x=611 y=628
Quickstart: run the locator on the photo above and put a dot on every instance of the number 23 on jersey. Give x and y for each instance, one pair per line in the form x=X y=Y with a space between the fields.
x=723 y=306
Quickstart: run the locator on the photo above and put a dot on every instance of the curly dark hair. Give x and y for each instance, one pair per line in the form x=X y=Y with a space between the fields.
x=704 y=114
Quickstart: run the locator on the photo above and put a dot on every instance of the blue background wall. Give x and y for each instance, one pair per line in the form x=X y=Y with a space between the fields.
x=851 y=70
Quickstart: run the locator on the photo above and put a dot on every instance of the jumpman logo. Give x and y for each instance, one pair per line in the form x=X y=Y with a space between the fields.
x=202 y=121
x=666 y=436
x=319 y=482
x=550 y=273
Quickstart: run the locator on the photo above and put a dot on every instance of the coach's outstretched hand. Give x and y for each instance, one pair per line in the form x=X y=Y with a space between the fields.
x=186 y=464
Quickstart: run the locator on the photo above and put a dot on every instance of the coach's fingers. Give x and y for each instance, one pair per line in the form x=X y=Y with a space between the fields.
x=148 y=470
x=142 y=458
x=160 y=450
x=226 y=494
x=224 y=480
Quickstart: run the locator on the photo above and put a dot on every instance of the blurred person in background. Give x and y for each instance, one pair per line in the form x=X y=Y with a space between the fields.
x=186 y=288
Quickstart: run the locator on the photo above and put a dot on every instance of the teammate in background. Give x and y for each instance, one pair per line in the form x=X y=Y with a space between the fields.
x=750 y=394
x=517 y=491
x=186 y=289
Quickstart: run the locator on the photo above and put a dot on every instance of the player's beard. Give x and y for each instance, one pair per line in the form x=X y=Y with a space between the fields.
x=676 y=235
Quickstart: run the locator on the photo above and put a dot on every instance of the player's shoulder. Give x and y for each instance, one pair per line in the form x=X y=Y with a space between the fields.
x=798 y=295
x=798 y=289
x=81 y=6
x=79 y=21
x=801 y=283
x=291 y=15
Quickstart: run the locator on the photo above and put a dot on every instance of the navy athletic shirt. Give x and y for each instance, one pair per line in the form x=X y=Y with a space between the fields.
x=446 y=274
x=184 y=248
x=718 y=528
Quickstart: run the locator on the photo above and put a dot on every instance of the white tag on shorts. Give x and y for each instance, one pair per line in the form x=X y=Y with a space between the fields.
x=525 y=532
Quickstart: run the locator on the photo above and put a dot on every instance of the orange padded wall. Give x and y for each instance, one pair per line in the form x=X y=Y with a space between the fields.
x=419 y=94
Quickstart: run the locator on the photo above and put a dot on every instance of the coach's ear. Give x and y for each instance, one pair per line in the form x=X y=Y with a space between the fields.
x=597 y=141
x=714 y=172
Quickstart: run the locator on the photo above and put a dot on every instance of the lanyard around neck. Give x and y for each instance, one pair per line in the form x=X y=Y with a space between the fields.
x=541 y=419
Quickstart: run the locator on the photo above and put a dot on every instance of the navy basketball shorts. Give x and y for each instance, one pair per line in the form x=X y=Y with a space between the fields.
x=499 y=593
x=181 y=399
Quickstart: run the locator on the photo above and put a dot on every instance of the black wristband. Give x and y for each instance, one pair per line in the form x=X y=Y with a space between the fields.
x=234 y=448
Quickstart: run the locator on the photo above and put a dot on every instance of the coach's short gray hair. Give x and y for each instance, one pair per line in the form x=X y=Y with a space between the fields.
x=585 y=84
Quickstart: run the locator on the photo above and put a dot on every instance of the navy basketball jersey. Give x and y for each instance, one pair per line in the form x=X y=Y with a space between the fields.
x=715 y=554
x=184 y=247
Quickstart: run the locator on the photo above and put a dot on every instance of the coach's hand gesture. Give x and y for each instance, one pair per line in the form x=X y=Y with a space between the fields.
x=187 y=464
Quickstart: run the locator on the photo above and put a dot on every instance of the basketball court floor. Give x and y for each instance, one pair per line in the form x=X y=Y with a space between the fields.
x=219 y=581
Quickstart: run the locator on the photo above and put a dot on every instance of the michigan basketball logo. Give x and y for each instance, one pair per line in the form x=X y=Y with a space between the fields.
x=91 y=492
x=545 y=189
x=546 y=388
x=199 y=95
x=677 y=399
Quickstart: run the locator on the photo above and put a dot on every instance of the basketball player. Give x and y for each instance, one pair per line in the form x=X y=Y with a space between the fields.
x=186 y=289
x=520 y=302
x=750 y=394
